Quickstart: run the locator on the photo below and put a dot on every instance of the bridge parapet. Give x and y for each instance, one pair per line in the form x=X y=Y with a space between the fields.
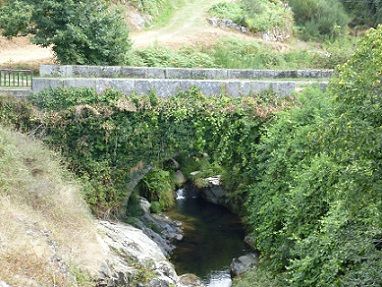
x=166 y=82
x=177 y=73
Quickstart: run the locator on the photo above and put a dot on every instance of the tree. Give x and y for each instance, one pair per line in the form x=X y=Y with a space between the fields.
x=366 y=12
x=320 y=18
x=79 y=32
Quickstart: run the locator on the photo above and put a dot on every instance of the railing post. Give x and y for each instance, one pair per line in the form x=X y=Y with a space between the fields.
x=16 y=78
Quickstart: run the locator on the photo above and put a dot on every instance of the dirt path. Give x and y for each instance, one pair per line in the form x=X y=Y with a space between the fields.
x=20 y=50
x=188 y=26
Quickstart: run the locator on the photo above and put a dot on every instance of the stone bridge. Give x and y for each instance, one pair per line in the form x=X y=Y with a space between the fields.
x=168 y=81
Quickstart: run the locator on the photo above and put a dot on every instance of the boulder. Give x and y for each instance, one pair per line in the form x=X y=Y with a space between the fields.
x=179 y=178
x=243 y=264
x=3 y=284
x=190 y=280
x=250 y=241
x=213 y=192
x=131 y=252
x=162 y=230
x=226 y=24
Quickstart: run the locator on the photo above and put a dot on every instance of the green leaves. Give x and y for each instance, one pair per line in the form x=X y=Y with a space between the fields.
x=15 y=18
x=79 y=32
x=107 y=135
x=320 y=19
x=316 y=204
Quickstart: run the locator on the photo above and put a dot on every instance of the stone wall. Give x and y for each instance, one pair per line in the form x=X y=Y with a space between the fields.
x=176 y=73
x=167 y=88
x=166 y=82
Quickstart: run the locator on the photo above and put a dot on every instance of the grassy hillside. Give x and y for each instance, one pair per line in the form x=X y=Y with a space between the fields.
x=160 y=10
x=247 y=54
x=40 y=209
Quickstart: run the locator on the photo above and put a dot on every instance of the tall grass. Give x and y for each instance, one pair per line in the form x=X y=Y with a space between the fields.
x=257 y=15
x=160 y=10
x=320 y=19
x=236 y=53
x=43 y=217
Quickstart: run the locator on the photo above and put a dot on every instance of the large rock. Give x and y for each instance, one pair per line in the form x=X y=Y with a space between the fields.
x=243 y=264
x=190 y=280
x=3 y=284
x=136 y=260
x=226 y=24
x=179 y=178
x=213 y=191
x=250 y=240
x=160 y=228
x=130 y=254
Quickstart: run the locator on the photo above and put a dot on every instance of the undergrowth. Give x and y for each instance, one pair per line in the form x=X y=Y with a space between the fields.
x=235 y=53
x=108 y=136
x=256 y=15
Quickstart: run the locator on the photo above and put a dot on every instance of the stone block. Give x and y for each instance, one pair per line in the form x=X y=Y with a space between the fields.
x=233 y=88
x=14 y=92
x=127 y=72
x=102 y=85
x=80 y=83
x=283 y=89
x=259 y=86
x=40 y=84
x=210 y=88
x=125 y=86
x=165 y=88
x=154 y=73
x=241 y=74
x=177 y=73
x=142 y=87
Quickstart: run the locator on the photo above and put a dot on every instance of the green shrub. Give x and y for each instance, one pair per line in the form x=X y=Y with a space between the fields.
x=236 y=53
x=17 y=113
x=320 y=19
x=315 y=205
x=257 y=277
x=265 y=15
x=155 y=207
x=159 y=10
x=228 y=10
x=257 y=15
x=365 y=12
x=158 y=186
x=336 y=52
x=79 y=32
x=107 y=137
x=165 y=57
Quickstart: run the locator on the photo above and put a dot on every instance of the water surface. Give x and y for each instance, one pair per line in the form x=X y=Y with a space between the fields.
x=213 y=237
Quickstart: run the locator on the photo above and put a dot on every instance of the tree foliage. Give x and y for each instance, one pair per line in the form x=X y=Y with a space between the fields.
x=257 y=15
x=365 y=12
x=320 y=18
x=79 y=32
x=316 y=206
x=106 y=136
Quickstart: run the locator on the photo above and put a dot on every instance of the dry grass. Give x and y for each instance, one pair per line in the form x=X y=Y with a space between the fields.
x=45 y=228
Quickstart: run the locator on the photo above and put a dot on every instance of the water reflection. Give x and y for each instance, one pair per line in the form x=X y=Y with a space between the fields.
x=213 y=237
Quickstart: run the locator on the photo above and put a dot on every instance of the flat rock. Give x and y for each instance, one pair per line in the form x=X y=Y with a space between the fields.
x=243 y=264
x=190 y=280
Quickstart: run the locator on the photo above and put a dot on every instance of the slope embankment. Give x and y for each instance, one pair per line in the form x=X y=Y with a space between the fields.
x=48 y=236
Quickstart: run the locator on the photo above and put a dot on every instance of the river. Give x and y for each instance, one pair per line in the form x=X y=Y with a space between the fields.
x=213 y=236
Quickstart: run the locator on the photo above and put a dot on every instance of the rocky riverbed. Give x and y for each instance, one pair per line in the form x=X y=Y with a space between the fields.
x=138 y=256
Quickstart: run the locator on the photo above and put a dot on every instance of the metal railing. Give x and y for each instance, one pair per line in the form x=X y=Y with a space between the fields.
x=15 y=78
